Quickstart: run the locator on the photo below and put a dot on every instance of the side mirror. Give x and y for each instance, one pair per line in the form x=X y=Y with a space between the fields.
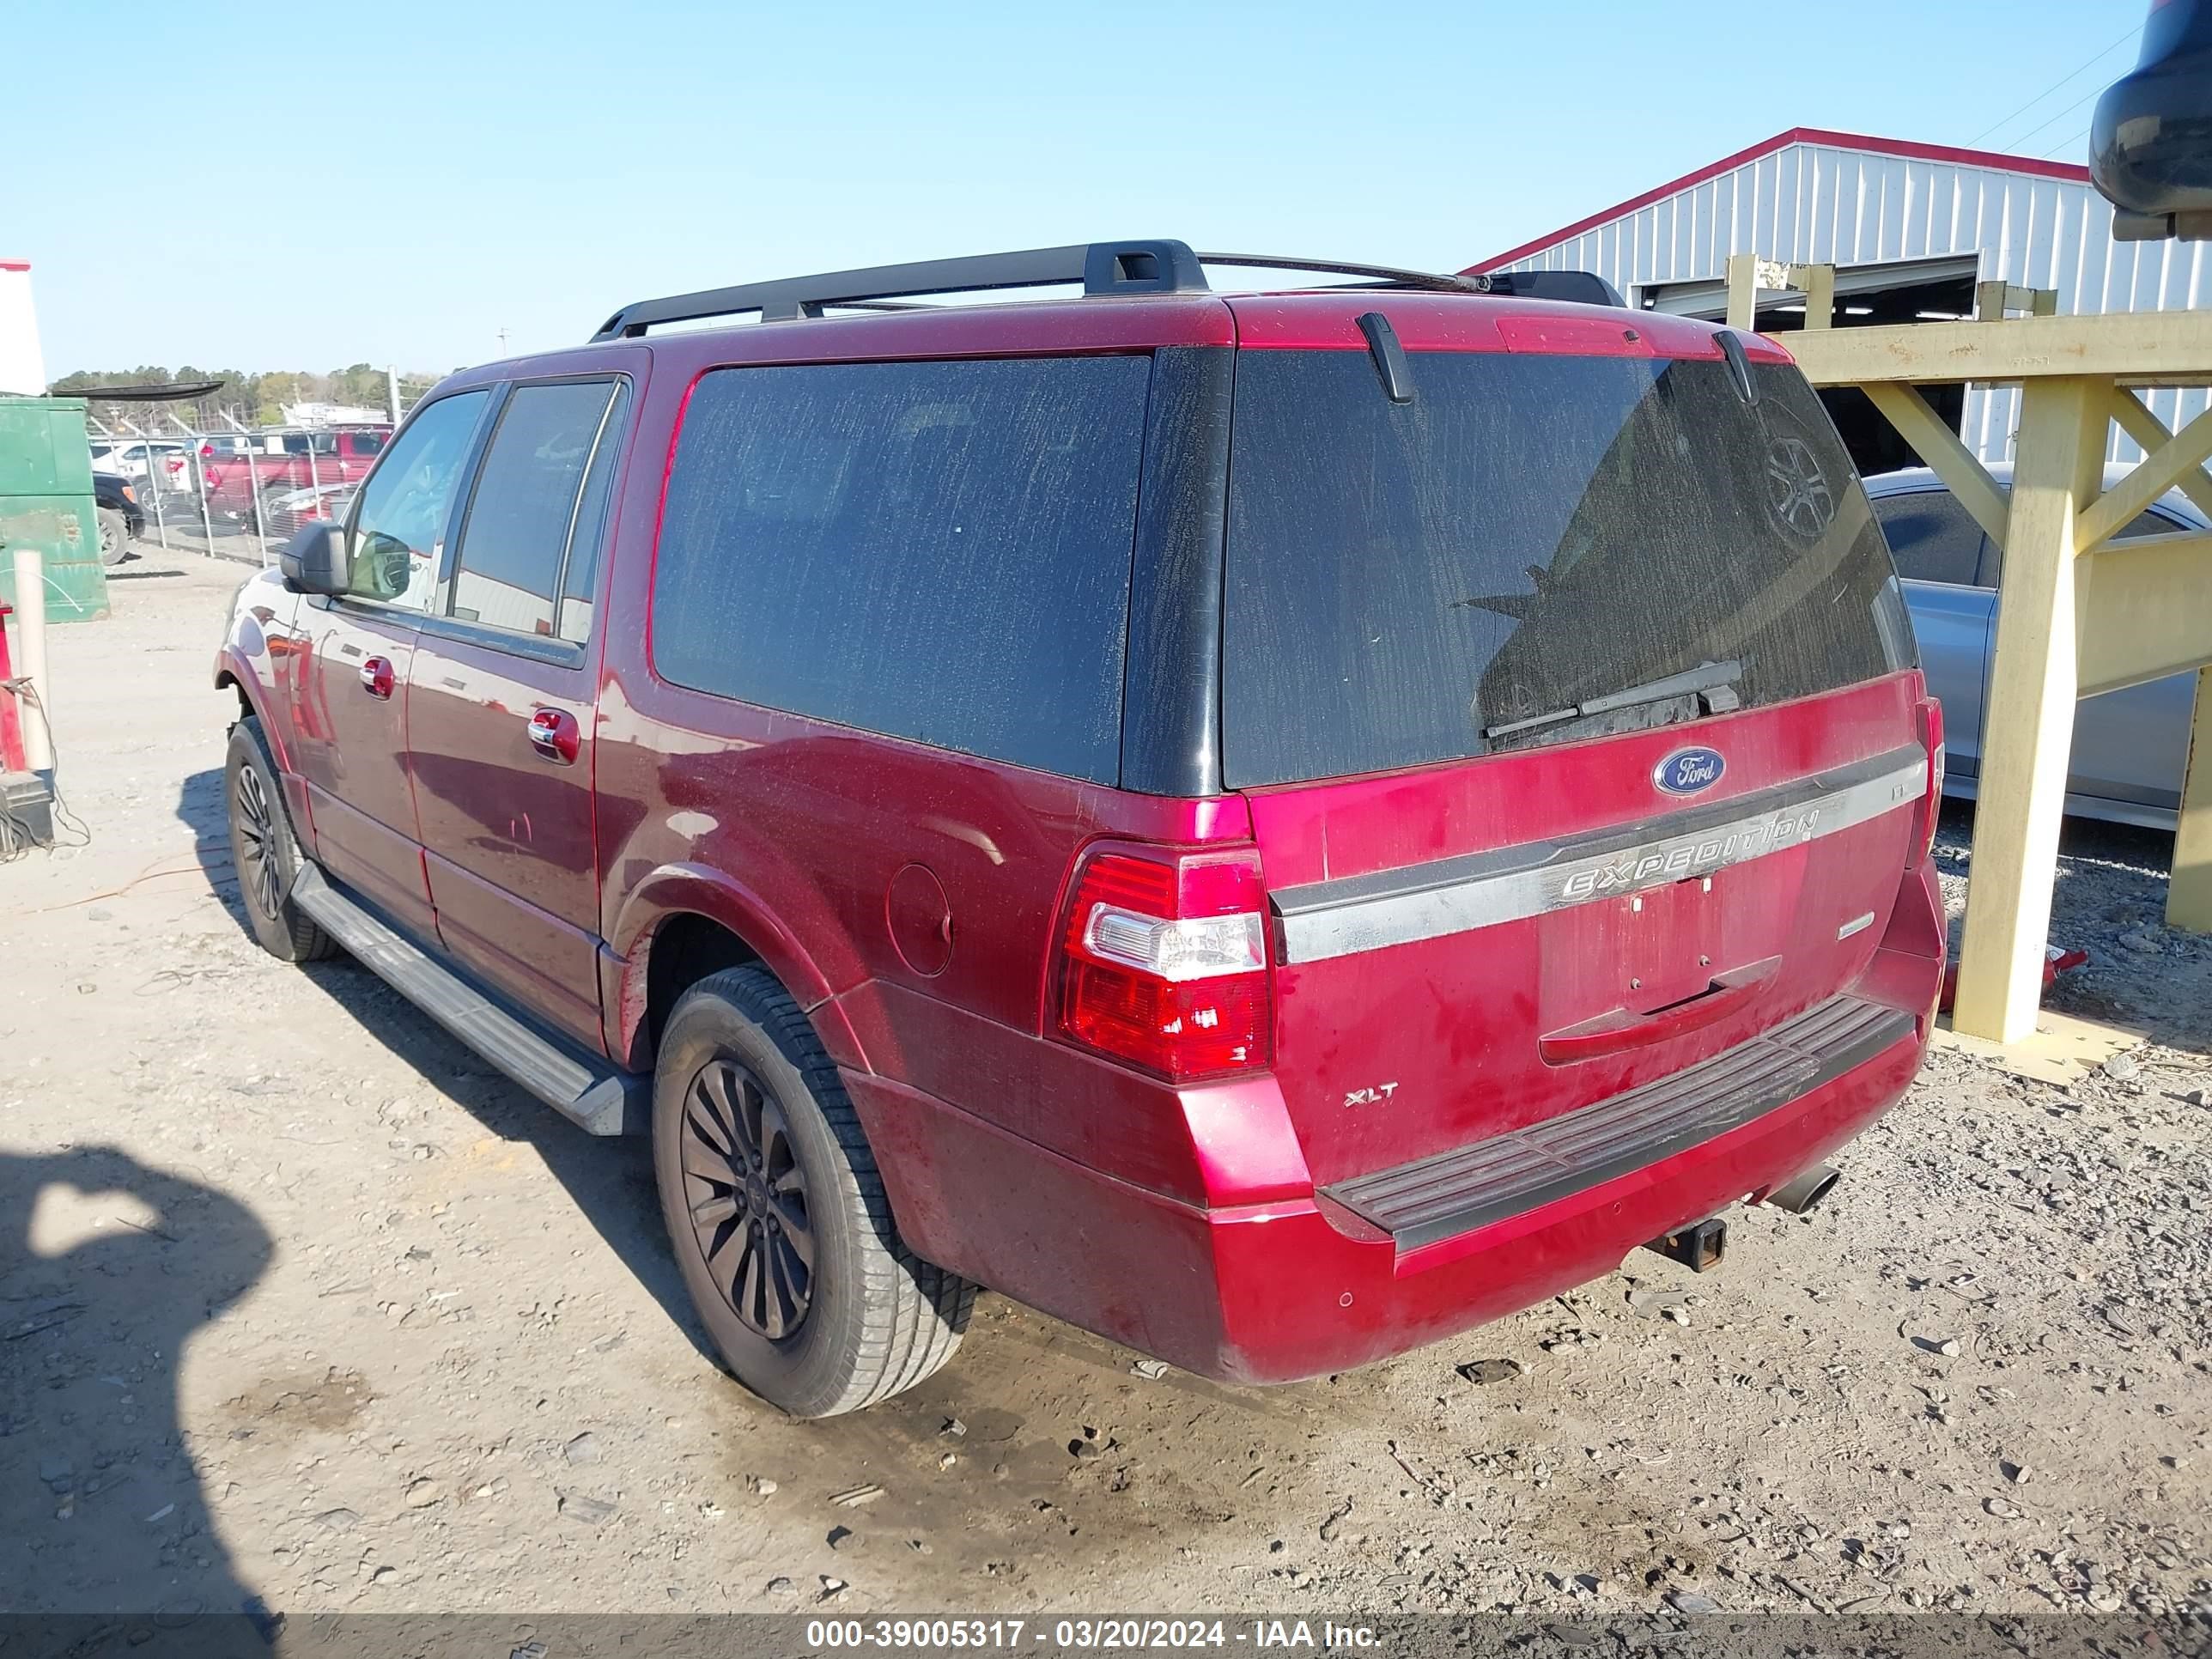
x=314 y=559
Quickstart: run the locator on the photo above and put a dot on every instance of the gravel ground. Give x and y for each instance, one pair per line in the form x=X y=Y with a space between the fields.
x=302 y=1307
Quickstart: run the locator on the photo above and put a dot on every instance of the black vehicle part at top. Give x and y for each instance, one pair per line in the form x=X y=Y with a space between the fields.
x=1384 y=276
x=1154 y=267
x=1101 y=268
x=1171 y=703
x=1389 y=356
x=164 y=391
x=2150 y=144
x=1583 y=288
x=1739 y=366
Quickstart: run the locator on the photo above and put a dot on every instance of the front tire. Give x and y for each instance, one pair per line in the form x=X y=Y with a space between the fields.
x=776 y=1213
x=114 y=536
x=264 y=851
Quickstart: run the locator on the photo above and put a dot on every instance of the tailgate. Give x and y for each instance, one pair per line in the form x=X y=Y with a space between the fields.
x=1466 y=950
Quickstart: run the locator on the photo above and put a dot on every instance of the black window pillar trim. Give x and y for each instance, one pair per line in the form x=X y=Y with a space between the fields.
x=1171 y=672
x=465 y=490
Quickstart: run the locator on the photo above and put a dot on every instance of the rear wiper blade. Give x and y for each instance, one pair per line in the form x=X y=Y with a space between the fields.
x=1706 y=676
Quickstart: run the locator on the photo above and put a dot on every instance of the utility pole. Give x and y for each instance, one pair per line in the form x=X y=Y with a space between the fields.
x=391 y=392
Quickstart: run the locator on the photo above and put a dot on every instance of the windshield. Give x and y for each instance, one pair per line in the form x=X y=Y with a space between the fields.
x=1529 y=536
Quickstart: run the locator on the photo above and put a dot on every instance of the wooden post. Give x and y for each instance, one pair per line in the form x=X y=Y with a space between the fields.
x=2028 y=724
x=1820 y=295
x=1742 y=291
x=2189 y=899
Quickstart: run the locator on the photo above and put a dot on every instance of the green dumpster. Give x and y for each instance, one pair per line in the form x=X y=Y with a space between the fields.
x=46 y=503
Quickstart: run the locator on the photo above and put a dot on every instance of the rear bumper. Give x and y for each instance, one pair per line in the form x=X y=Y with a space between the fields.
x=1302 y=1285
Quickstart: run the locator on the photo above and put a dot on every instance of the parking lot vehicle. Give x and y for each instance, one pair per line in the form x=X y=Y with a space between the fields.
x=1275 y=827
x=164 y=462
x=115 y=501
x=2130 y=747
x=284 y=510
x=282 y=463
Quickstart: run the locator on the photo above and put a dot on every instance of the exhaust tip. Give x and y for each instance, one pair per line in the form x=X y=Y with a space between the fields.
x=1801 y=1193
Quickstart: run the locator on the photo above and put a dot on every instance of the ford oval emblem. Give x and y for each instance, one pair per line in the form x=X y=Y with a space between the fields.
x=1687 y=771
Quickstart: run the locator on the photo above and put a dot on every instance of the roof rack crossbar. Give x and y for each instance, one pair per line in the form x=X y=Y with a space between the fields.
x=1384 y=276
x=1137 y=267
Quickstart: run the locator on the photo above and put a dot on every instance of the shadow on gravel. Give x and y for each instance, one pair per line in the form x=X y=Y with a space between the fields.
x=612 y=1181
x=108 y=1269
x=202 y=808
x=1040 y=1444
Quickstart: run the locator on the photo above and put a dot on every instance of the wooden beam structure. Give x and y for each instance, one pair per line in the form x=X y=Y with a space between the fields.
x=2079 y=615
x=1749 y=276
x=2189 y=903
x=1993 y=300
x=2128 y=627
x=2129 y=348
x=2028 y=728
x=1932 y=437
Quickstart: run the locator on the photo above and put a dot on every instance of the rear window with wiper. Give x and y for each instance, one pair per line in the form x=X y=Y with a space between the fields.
x=1535 y=549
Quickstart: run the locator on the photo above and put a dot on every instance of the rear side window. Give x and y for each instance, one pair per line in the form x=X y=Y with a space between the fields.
x=936 y=550
x=516 y=537
x=1932 y=537
x=1530 y=534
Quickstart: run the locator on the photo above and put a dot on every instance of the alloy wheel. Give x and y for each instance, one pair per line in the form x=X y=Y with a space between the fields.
x=257 y=831
x=746 y=1197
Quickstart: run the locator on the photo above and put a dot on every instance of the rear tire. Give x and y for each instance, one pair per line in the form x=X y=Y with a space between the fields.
x=777 y=1214
x=264 y=851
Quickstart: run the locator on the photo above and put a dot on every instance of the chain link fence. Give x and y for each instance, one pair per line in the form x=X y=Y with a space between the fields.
x=241 y=491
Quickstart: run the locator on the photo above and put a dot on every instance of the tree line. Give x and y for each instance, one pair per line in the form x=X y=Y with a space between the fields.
x=249 y=400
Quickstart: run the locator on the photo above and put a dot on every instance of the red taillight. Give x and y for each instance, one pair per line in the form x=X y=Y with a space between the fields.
x=1163 y=962
x=1928 y=719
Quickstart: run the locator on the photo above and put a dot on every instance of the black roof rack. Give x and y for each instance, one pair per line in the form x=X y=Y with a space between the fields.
x=1384 y=276
x=1139 y=267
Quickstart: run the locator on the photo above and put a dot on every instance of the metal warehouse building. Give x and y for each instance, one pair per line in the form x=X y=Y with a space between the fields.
x=1910 y=229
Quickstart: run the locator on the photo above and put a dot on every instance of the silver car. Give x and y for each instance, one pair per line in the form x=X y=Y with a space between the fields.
x=2130 y=747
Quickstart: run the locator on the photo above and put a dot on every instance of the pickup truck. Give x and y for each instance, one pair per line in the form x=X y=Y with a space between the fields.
x=274 y=463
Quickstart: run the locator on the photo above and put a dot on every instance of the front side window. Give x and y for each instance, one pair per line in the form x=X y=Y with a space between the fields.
x=933 y=550
x=399 y=526
x=516 y=537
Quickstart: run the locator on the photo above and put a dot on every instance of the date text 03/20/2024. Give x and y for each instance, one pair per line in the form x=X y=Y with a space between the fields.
x=1082 y=1635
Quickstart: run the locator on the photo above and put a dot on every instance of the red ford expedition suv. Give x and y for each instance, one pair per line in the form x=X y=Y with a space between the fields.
x=1275 y=827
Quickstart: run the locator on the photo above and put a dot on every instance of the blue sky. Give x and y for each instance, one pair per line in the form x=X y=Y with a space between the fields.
x=310 y=185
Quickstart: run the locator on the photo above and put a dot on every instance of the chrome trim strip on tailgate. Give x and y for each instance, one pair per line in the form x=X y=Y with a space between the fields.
x=1469 y=1187
x=1343 y=917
